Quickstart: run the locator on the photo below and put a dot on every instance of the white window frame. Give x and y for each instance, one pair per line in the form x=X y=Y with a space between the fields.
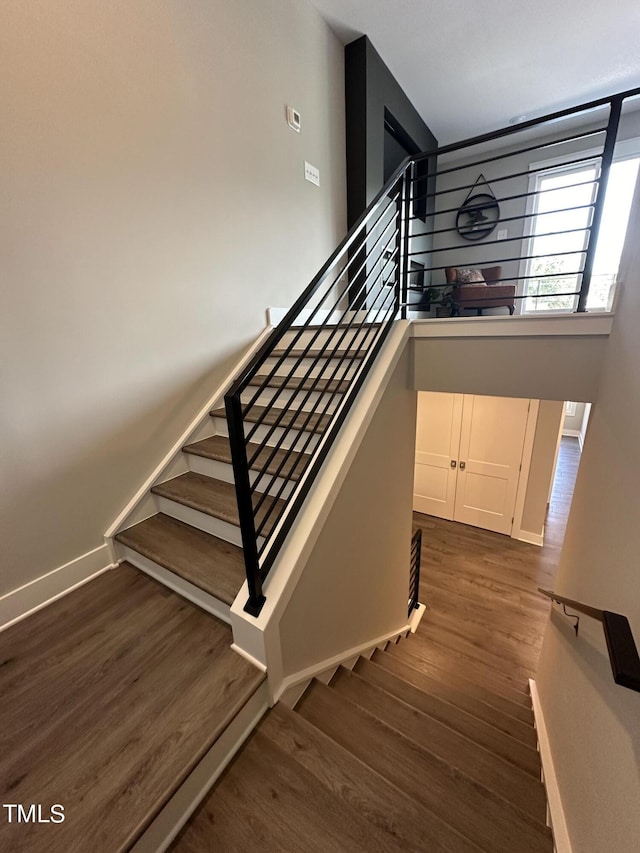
x=627 y=149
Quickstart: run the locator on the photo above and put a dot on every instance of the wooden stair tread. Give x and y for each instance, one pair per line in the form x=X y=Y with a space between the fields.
x=512 y=675
x=479 y=764
x=213 y=497
x=211 y=564
x=217 y=447
x=486 y=639
x=438 y=668
x=134 y=685
x=457 y=693
x=399 y=818
x=285 y=418
x=346 y=353
x=318 y=384
x=445 y=653
x=514 y=751
x=267 y=801
x=481 y=816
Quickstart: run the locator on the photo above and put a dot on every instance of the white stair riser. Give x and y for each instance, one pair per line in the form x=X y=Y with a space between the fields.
x=223 y=471
x=327 y=368
x=214 y=526
x=291 y=436
x=335 y=337
x=175 y=582
x=326 y=403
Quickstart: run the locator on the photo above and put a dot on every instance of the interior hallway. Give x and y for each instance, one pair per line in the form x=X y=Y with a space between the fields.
x=485 y=618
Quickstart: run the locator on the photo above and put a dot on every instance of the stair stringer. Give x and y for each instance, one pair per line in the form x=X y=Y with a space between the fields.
x=259 y=638
x=143 y=504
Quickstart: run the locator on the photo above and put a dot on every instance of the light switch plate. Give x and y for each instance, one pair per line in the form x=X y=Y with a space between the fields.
x=502 y=234
x=311 y=174
x=293 y=119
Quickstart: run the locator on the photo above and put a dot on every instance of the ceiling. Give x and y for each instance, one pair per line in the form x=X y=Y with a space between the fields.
x=472 y=67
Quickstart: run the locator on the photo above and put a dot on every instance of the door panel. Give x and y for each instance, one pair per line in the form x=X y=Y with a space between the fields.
x=491 y=443
x=437 y=441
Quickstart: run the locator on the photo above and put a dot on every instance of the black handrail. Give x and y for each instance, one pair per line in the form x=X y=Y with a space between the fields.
x=414 y=573
x=623 y=654
x=363 y=289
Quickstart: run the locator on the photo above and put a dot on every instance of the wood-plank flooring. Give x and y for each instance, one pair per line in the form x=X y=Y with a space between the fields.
x=110 y=696
x=429 y=745
x=481 y=591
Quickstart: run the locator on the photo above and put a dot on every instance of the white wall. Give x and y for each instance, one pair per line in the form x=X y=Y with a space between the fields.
x=542 y=368
x=573 y=423
x=153 y=207
x=355 y=585
x=592 y=722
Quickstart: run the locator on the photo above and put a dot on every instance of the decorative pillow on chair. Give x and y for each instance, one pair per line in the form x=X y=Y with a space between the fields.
x=471 y=277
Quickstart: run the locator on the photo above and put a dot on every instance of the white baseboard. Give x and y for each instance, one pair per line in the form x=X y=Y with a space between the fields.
x=305 y=675
x=557 y=820
x=528 y=536
x=574 y=433
x=27 y=599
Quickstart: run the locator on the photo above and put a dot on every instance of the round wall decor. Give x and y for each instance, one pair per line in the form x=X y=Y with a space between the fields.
x=479 y=213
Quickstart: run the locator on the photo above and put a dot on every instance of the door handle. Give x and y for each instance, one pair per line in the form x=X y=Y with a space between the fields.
x=463 y=465
x=453 y=463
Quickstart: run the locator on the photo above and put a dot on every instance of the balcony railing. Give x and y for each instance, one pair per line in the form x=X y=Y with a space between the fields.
x=441 y=211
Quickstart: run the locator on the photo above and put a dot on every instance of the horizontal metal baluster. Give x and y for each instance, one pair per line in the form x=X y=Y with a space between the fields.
x=518 y=239
x=496 y=261
x=516 y=197
x=503 y=219
x=496 y=179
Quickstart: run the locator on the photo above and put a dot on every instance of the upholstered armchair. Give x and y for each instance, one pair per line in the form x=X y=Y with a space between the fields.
x=479 y=289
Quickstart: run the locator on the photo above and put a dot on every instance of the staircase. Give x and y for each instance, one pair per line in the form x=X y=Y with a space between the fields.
x=194 y=539
x=395 y=754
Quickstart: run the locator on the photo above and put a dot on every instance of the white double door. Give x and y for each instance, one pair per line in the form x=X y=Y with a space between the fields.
x=468 y=458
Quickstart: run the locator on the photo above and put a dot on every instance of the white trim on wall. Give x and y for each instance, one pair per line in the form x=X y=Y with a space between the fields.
x=556 y=817
x=523 y=482
x=529 y=537
x=32 y=596
x=306 y=675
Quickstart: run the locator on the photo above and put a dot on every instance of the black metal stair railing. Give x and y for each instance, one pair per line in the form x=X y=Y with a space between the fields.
x=287 y=406
x=414 y=572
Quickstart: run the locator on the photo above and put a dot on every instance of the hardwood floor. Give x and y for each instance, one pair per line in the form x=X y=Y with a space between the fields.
x=485 y=615
x=110 y=696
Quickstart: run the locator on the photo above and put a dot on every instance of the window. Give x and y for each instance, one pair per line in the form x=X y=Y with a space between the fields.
x=613 y=229
x=558 y=237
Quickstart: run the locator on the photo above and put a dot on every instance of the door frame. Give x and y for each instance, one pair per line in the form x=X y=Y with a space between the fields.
x=529 y=435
